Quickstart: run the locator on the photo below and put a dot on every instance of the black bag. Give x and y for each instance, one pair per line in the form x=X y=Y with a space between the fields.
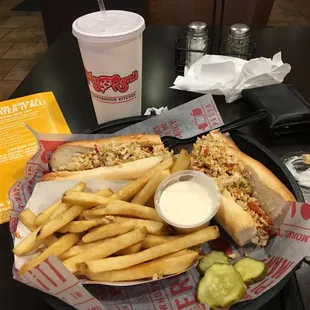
x=288 y=111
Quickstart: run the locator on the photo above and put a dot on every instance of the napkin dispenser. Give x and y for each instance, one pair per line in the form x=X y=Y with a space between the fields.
x=288 y=111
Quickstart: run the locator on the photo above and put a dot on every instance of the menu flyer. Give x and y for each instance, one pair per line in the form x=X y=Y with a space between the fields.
x=17 y=143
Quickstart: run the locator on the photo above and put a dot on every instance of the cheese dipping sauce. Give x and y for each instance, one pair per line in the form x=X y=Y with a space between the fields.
x=187 y=199
x=185 y=203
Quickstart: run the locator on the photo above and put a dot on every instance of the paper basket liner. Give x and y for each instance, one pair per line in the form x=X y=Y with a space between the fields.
x=177 y=292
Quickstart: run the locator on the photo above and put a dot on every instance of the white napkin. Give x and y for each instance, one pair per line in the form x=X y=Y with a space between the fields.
x=157 y=111
x=228 y=76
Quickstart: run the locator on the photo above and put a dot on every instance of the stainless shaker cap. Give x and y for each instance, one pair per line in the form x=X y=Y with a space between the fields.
x=239 y=30
x=197 y=27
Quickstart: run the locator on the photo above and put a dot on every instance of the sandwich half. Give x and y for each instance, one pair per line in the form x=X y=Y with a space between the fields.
x=253 y=199
x=117 y=158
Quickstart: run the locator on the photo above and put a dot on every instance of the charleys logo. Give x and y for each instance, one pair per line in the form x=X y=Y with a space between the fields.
x=115 y=82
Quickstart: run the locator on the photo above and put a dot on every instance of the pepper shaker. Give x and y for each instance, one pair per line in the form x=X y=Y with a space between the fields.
x=238 y=41
x=196 y=39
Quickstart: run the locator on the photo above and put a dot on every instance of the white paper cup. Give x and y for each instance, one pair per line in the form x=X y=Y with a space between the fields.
x=111 y=50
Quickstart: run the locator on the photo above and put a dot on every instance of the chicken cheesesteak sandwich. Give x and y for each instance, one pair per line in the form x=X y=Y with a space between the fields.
x=252 y=197
x=117 y=158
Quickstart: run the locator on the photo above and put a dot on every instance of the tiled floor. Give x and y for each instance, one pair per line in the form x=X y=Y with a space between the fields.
x=290 y=13
x=22 y=37
x=22 y=43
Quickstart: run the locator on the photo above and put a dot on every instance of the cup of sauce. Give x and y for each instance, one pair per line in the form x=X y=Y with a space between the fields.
x=187 y=200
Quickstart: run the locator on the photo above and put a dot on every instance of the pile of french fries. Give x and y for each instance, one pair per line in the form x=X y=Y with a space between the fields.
x=113 y=237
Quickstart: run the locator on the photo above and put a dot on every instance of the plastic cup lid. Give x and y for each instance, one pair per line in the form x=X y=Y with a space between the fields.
x=118 y=26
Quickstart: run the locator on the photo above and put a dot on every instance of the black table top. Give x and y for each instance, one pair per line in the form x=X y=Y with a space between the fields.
x=61 y=71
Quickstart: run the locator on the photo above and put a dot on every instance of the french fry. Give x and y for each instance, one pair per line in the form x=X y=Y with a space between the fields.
x=106 y=192
x=62 y=208
x=43 y=217
x=152 y=240
x=86 y=199
x=103 y=220
x=61 y=220
x=79 y=187
x=28 y=244
x=135 y=248
x=125 y=261
x=60 y=246
x=154 y=269
x=126 y=209
x=150 y=188
x=48 y=241
x=183 y=162
x=27 y=217
x=107 y=248
x=152 y=227
x=78 y=226
x=82 y=247
x=179 y=253
x=135 y=186
x=109 y=230
x=90 y=200
x=306 y=159
x=79 y=248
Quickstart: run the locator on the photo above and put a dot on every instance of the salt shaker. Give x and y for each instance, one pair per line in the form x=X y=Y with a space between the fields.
x=238 y=40
x=196 y=39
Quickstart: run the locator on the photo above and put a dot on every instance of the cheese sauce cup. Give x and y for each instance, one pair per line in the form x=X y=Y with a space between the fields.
x=187 y=200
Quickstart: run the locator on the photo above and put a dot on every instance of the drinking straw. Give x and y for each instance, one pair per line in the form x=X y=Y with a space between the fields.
x=102 y=9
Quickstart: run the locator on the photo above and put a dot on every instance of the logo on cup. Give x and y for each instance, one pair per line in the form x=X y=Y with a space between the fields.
x=115 y=82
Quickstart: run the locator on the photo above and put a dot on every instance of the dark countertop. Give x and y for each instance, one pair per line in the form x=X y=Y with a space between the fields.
x=61 y=71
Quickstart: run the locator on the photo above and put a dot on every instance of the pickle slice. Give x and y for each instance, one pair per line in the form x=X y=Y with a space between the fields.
x=251 y=270
x=221 y=286
x=210 y=259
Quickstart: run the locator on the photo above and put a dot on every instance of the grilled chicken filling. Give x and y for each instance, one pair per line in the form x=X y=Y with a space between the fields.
x=114 y=154
x=213 y=158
